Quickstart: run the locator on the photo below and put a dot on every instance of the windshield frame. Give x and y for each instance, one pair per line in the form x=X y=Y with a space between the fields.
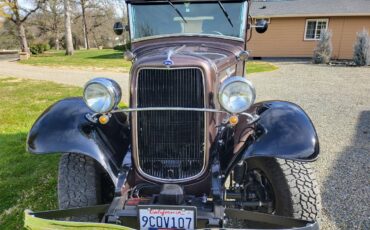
x=227 y=37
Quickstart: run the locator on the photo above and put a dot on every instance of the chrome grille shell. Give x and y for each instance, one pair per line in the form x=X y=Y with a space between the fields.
x=136 y=129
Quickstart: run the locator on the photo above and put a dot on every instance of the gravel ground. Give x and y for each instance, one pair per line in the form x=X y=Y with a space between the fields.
x=336 y=98
x=338 y=101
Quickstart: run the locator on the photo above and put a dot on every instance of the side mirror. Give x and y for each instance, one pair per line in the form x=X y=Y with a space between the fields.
x=119 y=28
x=261 y=26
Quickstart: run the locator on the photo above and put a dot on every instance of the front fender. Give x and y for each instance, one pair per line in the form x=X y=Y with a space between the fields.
x=284 y=131
x=64 y=128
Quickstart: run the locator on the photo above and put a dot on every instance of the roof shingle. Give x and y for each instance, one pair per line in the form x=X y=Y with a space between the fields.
x=301 y=8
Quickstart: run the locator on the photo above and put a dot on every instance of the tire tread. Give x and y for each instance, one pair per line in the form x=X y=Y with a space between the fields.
x=303 y=188
x=78 y=183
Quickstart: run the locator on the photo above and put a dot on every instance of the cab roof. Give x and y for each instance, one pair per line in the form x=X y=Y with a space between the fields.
x=173 y=1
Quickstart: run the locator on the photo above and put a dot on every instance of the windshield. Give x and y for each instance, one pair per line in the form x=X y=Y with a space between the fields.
x=162 y=19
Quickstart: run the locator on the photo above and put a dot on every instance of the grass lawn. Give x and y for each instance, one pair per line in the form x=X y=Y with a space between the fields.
x=257 y=67
x=101 y=59
x=26 y=181
x=109 y=59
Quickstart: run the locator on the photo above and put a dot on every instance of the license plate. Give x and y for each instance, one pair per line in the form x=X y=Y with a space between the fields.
x=167 y=217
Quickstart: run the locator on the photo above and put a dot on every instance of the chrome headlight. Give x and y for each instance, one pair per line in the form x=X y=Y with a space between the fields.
x=236 y=94
x=102 y=95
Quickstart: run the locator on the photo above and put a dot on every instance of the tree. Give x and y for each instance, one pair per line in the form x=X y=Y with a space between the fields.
x=11 y=10
x=85 y=4
x=50 y=20
x=68 y=28
x=8 y=35
x=2 y=20
x=120 y=7
x=361 y=51
x=324 y=48
x=121 y=15
x=96 y=18
x=100 y=22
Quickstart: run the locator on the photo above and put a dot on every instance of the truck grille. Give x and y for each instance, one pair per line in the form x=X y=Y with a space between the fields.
x=170 y=143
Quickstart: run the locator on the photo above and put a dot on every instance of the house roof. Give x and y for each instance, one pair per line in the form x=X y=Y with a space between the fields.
x=302 y=8
x=182 y=1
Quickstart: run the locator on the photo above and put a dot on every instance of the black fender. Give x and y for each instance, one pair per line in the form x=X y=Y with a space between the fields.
x=283 y=130
x=63 y=127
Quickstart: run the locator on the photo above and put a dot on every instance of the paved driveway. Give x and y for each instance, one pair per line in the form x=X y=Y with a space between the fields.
x=338 y=101
x=69 y=76
x=336 y=98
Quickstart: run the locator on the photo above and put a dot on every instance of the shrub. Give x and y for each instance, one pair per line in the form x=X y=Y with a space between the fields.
x=33 y=49
x=45 y=46
x=39 y=48
x=324 y=49
x=36 y=49
x=361 y=51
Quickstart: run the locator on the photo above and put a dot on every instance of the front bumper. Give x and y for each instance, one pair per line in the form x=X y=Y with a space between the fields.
x=33 y=222
x=47 y=220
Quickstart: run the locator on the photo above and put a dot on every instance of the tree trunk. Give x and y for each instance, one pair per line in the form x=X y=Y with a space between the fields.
x=84 y=25
x=56 y=20
x=22 y=37
x=85 y=37
x=57 y=40
x=68 y=30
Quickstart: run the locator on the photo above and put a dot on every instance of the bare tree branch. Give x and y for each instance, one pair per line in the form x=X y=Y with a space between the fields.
x=38 y=6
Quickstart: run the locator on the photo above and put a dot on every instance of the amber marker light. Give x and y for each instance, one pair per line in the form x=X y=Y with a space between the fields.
x=103 y=119
x=233 y=120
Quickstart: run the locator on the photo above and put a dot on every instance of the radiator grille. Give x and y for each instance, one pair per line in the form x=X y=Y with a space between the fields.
x=170 y=143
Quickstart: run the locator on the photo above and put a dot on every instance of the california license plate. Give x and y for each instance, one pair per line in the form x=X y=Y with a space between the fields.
x=167 y=217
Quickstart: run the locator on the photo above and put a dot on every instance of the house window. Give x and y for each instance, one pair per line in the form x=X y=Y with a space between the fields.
x=314 y=28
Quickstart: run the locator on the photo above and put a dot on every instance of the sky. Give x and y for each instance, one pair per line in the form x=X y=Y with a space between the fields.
x=29 y=5
x=26 y=3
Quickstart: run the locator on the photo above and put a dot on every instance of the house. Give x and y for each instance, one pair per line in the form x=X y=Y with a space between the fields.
x=295 y=26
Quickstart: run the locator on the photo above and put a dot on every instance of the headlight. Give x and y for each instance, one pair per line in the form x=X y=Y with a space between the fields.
x=102 y=95
x=236 y=94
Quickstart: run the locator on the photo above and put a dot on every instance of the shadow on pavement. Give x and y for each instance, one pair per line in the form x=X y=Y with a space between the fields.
x=303 y=60
x=346 y=191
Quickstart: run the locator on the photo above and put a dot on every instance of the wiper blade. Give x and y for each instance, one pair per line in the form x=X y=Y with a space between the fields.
x=177 y=11
x=225 y=13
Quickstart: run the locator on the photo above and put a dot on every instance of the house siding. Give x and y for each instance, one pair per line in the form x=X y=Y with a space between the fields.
x=285 y=37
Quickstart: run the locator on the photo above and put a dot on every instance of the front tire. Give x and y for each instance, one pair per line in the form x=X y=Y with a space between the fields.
x=296 y=192
x=79 y=184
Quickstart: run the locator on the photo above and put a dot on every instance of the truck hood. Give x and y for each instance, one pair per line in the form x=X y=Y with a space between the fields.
x=217 y=54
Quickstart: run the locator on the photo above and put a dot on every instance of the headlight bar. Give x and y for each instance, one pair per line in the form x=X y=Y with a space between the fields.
x=251 y=117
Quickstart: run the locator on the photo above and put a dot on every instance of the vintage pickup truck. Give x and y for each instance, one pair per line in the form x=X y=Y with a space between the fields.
x=193 y=149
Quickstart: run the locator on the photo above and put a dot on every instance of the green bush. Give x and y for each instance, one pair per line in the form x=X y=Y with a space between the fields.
x=46 y=46
x=39 y=48
x=36 y=49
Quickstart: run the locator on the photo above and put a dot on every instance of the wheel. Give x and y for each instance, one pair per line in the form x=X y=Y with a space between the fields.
x=294 y=187
x=81 y=183
x=284 y=187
